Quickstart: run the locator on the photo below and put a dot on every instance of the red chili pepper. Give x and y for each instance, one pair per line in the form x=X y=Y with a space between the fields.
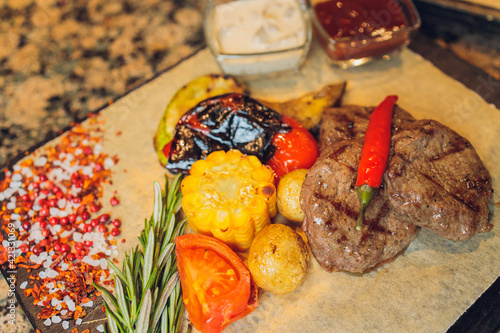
x=374 y=155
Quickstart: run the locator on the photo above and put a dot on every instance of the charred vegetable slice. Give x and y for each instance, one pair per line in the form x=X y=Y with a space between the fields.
x=187 y=97
x=230 y=196
x=307 y=109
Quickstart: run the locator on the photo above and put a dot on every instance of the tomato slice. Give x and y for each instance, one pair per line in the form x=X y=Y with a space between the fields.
x=217 y=288
x=295 y=149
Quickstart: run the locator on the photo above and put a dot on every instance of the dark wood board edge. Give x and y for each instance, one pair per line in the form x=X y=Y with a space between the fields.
x=473 y=78
x=94 y=317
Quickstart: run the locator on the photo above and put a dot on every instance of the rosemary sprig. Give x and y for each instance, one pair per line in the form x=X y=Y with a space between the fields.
x=148 y=292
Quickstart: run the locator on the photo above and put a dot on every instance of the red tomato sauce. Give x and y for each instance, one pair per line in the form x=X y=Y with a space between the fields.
x=373 y=27
x=351 y=18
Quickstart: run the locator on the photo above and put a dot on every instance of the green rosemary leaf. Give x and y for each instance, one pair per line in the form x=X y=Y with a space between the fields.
x=148 y=259
x=113 y=325
x=158 y=205
x=143 y=320
x=108 y=297
x=117 y=271
x=116 y=316
x=130 y=286
x=152 y=279
x=122 y=303
x=166 y=251
x=165 y=294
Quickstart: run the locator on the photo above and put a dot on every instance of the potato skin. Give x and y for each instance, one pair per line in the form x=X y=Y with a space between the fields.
x=288 y=194
x=278 y=259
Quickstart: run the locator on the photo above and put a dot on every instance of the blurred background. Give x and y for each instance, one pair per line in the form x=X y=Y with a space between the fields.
x=62 y=59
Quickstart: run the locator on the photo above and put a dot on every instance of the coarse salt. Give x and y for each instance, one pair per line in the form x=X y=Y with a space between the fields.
x=24 y=285
x=47 y=322
x=40 y=162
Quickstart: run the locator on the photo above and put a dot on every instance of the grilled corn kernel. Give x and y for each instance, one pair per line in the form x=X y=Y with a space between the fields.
x=230 y=196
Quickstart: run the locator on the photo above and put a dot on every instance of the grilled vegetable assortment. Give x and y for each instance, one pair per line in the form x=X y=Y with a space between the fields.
x=233 y=150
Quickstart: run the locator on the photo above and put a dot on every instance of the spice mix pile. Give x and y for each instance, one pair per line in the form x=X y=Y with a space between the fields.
x=54 y=225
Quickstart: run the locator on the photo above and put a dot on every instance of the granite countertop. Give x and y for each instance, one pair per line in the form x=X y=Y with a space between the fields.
x=61 y=59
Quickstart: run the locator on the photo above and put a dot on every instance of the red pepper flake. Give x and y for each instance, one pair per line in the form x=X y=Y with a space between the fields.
x=114 y=201
x=36 y=205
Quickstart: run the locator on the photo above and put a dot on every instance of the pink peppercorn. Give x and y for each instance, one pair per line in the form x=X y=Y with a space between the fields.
x=64 y=220
x=85 y=215
x=24 y=247
x=102 y=228
x=87 y=228
x=94 y=223
x=26 y=225
x=65 y=248
x=54 y=220
x=116 y=223
x=104 y=218
x=37 y=249
x=43 y=224
x=115 y=232
x=78 y=246
x=88 y=243
x=94 y=208
x=72 y=218
x=114 y=201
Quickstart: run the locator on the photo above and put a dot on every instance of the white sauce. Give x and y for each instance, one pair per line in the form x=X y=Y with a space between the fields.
x=258 y=26
x=252 y=26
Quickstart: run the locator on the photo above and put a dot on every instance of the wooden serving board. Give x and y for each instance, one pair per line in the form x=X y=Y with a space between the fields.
x=424 y=290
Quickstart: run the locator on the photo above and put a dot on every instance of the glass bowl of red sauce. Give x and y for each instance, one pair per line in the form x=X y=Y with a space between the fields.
x=355 y=32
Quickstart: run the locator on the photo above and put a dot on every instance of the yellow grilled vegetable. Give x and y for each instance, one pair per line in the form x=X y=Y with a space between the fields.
x=230 y=196
x=308 y=108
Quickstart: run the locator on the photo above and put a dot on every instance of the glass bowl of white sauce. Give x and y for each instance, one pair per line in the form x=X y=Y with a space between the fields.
x=258 y=37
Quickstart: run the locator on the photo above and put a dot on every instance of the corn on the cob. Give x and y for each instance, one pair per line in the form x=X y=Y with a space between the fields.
x=230 y=196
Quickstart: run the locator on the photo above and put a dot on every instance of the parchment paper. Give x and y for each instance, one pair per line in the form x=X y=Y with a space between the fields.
x=424 y=290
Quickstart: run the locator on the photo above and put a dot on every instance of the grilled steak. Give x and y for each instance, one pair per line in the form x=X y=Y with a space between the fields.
x=331 y=206
x=434 y=180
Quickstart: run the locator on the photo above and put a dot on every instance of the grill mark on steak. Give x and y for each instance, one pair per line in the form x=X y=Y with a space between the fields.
x=460 y=145
x=337 y=205
x=472 y=207
x=374 y=223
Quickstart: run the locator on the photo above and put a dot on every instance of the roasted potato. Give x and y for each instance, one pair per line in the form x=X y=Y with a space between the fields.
x=186 y=98
x=278 y=259
x=288 y=194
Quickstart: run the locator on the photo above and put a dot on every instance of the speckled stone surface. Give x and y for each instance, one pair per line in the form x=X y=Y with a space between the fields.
x=61 y=59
